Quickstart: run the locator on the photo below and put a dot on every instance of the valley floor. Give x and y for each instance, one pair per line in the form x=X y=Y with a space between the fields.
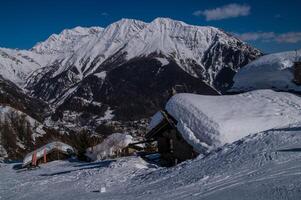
x=263 y=166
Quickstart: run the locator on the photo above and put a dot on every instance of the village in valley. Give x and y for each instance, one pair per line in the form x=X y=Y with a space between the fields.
x=159 y=109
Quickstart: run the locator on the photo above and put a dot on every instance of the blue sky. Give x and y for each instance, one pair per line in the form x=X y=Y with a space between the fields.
x=270 y=25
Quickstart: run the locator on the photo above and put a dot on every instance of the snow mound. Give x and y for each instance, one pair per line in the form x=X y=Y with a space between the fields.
x=111 y=146
x=270 y=71
x=208 y=122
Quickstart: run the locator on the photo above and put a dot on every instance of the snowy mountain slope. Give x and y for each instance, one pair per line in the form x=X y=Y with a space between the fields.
x=17 y=65
x=81 y=49
x=120 y=61
x=252 y=168
x=15 y=97
x=203 y=52
x=190 y=45
x=196 y=49
x=66 y=41
x=94 y=71
x=270 y=71
x=18 y=130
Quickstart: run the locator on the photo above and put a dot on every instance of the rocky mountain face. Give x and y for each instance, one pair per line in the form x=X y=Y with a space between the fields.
x=114 y=78
x=134 y=60
x=21 y=120
x=13 y=96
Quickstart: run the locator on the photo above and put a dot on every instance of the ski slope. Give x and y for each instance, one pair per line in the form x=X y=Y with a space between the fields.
x=255 y=167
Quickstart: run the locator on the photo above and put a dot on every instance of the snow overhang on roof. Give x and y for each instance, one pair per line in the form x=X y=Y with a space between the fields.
x=207 y=122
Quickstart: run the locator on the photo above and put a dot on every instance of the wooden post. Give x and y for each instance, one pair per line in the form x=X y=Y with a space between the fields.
x=34 y=158
x=297 y=73
x=45 y=156
x=57 y=147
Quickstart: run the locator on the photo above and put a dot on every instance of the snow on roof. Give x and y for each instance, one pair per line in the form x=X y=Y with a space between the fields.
x=207 y=122
x=49 y=147
x=156 y=119
x=110 y=146
x=270 y=71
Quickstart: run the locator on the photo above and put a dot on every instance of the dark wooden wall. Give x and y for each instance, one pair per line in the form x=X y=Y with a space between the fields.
x=173 y=148
x=297 y=73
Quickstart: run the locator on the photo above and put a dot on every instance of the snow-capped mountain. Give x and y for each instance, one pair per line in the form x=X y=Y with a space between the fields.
x=203 y=52
x=16 y=65
x=98 y=70
x=67 y=41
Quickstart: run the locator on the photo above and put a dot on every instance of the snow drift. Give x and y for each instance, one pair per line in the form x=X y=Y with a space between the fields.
x=208 y=122
x=270 y=71
x=111 y=146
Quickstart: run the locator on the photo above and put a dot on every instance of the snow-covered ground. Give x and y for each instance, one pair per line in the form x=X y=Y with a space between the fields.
x=251 y=168
x=274 y=71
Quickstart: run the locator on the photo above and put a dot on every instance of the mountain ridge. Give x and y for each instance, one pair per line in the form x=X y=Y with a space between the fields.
x=94 y=71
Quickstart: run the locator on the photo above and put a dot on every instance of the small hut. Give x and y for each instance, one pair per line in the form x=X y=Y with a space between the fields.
x=49 y=152
x=172 y=147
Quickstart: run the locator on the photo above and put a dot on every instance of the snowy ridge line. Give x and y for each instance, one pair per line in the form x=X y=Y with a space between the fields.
x=87 y=48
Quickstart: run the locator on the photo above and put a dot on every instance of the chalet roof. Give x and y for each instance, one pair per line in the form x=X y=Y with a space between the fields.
x=160 y=122
x=60 y=146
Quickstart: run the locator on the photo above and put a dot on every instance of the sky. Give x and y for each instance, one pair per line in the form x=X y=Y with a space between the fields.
x=270 y=25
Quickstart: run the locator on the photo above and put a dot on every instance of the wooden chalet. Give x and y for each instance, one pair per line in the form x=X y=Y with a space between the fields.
x=172 y=147
x=49 y=152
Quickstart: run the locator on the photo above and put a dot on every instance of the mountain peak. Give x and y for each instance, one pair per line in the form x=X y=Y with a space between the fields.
x=125 y=23
x=166 y=20
x=65 y=40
